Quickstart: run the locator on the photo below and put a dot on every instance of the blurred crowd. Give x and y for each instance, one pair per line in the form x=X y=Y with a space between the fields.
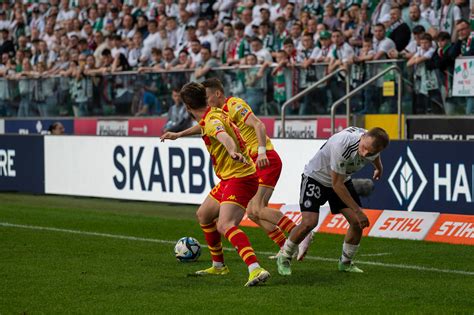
x=285 y=39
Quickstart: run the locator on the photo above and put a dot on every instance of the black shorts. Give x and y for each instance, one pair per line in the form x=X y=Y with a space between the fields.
x=313 y=195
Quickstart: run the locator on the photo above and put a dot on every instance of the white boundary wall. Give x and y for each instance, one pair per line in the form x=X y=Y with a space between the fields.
x=173 y=171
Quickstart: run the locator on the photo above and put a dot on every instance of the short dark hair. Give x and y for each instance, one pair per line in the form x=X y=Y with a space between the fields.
x=256 y=39
x=380 y=136
x=215 y=84
x=106 y=52
x=193 y=95
x=53 y=126
x=280 y=19
x=418 y=29
x=156 y=51
x=426 y=36
x=463 y=21
x=288 y=41
x=444 y=36
x=380 y=25
x=239 y=26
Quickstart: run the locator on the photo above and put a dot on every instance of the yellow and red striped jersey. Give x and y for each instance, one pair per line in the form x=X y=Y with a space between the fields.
x=238 y=111
x=214 y=122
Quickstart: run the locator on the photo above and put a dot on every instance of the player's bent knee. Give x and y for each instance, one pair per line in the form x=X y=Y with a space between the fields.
x=203 y=216
x=222 y=227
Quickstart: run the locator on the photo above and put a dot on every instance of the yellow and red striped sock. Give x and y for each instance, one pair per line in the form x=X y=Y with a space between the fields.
x=277 y=236
x=241 y=242
x=286 y=224
x=213 y=239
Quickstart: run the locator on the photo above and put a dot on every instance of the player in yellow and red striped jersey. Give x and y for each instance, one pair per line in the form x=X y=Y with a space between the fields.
x=239 y=183
x=263 y=154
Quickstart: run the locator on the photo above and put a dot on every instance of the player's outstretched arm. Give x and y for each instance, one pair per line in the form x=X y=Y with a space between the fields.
x=230 y=146
x=194 y=130
x=343 y=193
x=259 y=126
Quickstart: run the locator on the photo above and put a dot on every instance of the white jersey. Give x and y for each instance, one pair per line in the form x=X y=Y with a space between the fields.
x=338 y=154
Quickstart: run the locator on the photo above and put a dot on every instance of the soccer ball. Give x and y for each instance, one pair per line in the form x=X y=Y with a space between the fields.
x=187 y=249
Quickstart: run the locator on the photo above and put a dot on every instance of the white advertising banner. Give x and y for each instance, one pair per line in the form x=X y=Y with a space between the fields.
x=463 y=81
x=2 y=126
x=403 y=224
x=146 y=169
x=112 y=128
x=297 y=129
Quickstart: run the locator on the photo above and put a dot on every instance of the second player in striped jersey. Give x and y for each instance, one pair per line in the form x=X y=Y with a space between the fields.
x=262 y=153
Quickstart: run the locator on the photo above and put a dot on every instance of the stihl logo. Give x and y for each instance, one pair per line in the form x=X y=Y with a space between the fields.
x=338 y=222
x=456 y=229
x=402 y=225
x=294 y=216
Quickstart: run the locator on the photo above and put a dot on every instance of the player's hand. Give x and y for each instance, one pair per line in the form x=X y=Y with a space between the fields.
x=262 y=161
x=169 y=136
x=363 y=220
x=377 y=174
x=238 y=157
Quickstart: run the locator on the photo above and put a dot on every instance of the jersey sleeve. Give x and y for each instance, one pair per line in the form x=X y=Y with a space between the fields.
x=338 y=163
x=239 y=110
x=213 y=127
x=337 y=148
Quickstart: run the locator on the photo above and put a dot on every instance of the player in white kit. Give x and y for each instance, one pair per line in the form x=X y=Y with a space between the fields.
x=327 y=177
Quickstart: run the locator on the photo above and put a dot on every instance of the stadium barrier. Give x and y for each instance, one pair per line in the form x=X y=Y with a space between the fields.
x=436 y=189
x=22 y=164
x=447 y=128
x=429 y=176
x=428 y=226
x=318 y=127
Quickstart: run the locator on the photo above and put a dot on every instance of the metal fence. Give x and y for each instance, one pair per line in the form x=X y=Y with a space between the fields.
x=150 y=94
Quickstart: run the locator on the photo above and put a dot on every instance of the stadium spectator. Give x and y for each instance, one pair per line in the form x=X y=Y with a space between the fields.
x=178 y=116
x=254 y=83
x=398 y=31
x=262 y=54
x=449 y=14
x=42 y=31
x=204 y=67
x=56 y=128
x=465 y=47
x=443 y=59
x=428 y=97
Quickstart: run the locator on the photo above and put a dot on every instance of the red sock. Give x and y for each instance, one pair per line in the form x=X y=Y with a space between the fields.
x=213 y=239
x=277 y=236
x=286 y=224
x=241 y=242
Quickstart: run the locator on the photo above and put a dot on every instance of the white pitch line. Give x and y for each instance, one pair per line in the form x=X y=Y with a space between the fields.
x=152 y=240
x=375 y=254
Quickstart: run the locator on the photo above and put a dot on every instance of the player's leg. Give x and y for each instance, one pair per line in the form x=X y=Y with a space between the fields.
x=207 y=215
x=354 y=233
x=257 y=210
x=312 y=195
x=351 y=242
x=236 y=196
x=272 y=220
x=229 y=218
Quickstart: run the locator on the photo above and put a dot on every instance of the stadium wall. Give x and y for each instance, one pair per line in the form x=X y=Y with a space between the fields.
x=180 y=172
x=315 y=128
x=22 y=163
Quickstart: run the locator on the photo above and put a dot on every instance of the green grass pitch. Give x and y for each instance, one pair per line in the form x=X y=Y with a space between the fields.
x=64 y=255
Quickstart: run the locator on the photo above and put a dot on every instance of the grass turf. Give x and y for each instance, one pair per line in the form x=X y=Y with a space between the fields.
x=53 y=272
